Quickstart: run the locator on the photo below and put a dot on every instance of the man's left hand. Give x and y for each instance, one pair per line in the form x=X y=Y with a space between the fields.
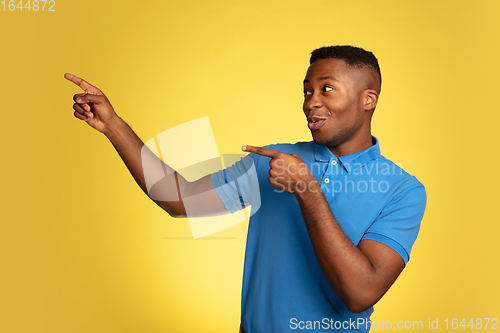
x=288 y=172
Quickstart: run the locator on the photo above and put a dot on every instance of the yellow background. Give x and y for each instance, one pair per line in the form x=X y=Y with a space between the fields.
x=83 y=250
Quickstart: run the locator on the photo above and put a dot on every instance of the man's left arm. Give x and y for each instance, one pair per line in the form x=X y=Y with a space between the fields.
x=360 y=275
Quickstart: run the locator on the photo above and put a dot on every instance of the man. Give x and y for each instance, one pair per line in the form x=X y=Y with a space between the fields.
x=337 y=220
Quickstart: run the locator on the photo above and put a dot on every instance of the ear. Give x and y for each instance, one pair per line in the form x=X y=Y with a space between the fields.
x=370 y=99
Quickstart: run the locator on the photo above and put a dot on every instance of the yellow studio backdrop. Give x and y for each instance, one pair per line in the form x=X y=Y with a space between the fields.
x=84 y=250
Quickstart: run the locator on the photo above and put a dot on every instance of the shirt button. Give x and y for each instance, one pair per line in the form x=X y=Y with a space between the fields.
x=334 y=162
x=327 y=180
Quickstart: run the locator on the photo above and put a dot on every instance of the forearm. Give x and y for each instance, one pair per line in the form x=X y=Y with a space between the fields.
x=140 y=160
x=348 y=270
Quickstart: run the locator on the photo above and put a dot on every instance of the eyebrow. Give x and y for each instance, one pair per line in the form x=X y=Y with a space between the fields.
x=323 y=78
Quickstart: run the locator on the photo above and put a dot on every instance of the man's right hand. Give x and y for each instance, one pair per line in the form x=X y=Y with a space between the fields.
x=92 y=106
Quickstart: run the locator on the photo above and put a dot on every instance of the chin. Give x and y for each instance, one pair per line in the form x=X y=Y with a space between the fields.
x=325 y=142
x=334 y=137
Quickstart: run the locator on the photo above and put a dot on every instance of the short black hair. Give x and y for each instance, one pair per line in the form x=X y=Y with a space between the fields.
x=354 y=57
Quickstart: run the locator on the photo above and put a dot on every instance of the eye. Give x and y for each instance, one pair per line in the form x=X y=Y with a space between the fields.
x=327 y=88
x=306 y=93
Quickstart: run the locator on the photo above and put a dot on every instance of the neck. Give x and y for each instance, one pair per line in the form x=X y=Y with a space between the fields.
x=353 y=145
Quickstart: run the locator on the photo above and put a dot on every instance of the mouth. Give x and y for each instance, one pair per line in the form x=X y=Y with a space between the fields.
x=315 y=123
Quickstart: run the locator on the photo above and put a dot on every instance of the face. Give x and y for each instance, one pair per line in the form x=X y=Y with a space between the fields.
x=333 y=102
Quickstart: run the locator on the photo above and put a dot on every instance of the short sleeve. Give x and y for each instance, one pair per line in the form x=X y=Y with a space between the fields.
x=398 y=224
x=237 y=186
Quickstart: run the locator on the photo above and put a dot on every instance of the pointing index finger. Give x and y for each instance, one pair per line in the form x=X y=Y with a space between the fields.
x=261 y=151
x=87 y=87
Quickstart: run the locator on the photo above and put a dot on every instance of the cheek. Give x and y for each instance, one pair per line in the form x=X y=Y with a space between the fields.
x=336 y=110
x=343 y=108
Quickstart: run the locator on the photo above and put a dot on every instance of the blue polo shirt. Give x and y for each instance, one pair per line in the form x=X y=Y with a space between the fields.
x=284 y=288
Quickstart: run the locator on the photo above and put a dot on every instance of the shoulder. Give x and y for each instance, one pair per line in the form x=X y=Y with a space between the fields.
x=404 y=184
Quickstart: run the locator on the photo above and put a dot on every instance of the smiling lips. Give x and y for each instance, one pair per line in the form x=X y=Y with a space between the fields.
x=314 y=123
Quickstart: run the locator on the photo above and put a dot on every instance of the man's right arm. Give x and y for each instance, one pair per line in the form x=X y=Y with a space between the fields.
x=94 y=108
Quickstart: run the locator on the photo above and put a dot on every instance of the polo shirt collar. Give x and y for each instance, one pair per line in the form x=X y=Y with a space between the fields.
x=352 y=161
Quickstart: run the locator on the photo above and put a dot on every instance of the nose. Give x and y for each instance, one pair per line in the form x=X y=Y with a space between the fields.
x=313 y=102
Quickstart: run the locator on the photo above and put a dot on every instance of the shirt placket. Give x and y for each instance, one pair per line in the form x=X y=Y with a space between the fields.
x=329 y=178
